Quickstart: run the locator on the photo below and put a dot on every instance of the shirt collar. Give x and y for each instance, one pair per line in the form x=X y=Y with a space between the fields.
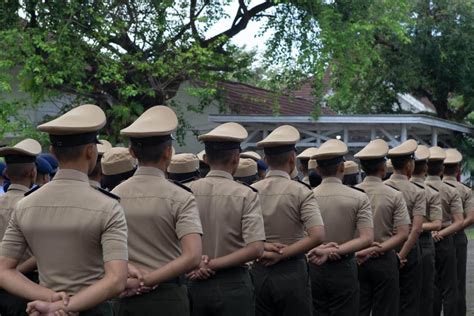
x=71 y=174
x=450 y=178
x=372 y=179
x=149 y=171
x=433 y=178
x=220 y=174
x=94 y=183
x=398 y=177
x=278 y=173
x=417 y=179
x=18 y=187
x=332 y=180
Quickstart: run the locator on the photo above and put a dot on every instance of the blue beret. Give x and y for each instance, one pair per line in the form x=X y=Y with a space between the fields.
x=43 y=166
x=53 y=162
x=261 y=165
x=2 y=168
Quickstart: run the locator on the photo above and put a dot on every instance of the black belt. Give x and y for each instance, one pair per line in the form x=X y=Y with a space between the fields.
x=343 y=258
x=426 y=234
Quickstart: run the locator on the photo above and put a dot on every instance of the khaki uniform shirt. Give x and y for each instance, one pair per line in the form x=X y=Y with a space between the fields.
x=288 y=207
x=95 y=184
x=71 y=229
x=344 y=210
x=7 y=204
x=389 y=209
x=230 y=213
x=159 y=213
x=451 y=202
x=434 y=212
x=415 y=197
x=465 y=193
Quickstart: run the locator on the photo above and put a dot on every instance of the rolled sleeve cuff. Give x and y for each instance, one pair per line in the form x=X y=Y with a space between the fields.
x=188 y=231
x=255 y=238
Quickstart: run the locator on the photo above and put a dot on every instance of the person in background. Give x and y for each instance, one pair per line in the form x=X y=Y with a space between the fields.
x=44 y=170
x=351 y=173
x=117 y=165
x=184 y=168
x=95 y=177
x=246 y=171
x=53 y=162
x=2 y=177
x=303 y=159
x=203 y=165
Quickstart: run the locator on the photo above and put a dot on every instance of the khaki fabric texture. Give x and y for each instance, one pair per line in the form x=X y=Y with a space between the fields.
x=71 y=229
x=451 y=202
x=230 y=213
x=464 y=192
x=389 y=209
x=8 y=202
x=434 y=210
x=159 y=213
x=289 y=208
x=344 y=210
x=414 y=196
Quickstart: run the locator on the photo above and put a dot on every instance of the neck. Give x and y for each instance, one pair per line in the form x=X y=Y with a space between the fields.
x=228 y=169
x=286 y=169
x=81 y=166
x=450 y=175
x=420 y=175
x=162 y=165
x=400 y=172
x=25 y=182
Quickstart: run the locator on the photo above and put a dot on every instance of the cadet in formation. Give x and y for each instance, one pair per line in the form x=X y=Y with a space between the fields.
x=77 y=233
x=293 y=224
x=378 y=264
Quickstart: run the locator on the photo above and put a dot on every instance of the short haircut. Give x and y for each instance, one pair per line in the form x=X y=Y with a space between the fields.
x=451 y=169
x=400 y=163
x=19 y=171
x=435 y=168
x=67 y=154
x=351 y=179
x=331 y=170
x=150 y=152
x=247 y=180
x=420 y=167
x=371 y=168
x=314 y=179
x=182 y=177
x=278 y=160
x=219 y=156
x=109 y=182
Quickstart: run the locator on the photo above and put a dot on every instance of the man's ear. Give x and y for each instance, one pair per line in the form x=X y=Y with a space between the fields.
x=341 y=167
x=204 y=157
x=132 y=153
x=89 y=151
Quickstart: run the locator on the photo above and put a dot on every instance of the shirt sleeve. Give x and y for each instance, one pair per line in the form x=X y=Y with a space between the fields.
x=419 y=206
x=400 y=215
x=456 y=203
x=114 y=236
x=434 y=206
x=309 y=211
x=252 y=220
x=364 y=214
x=14 y=243
x=187 y=218
x=469 y=201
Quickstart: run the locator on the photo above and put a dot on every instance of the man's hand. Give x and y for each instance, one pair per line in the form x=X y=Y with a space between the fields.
x=135 y=282
x=436 y=236
x=269 y=258
x=38 y=308
x=403 y=261
x=274 y=247
x=321 y=254
x=203 y=272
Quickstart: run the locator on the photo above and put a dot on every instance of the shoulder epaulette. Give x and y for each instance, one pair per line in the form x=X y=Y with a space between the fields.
x=419 y=185
x=249 y=186
x=182 y=186
x=31 y=191
x=393 y=187
x=109 y=194
x=305 y=184
x=433 y=187
x=451 y=185
x=356 y=188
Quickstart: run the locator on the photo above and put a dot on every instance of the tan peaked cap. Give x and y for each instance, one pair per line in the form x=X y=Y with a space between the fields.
x=331 y=149
x=377 y=148
x=117 y=160
x=184 y=163
x=280 y=136
x=27 y=147
x=200 y=155
x=158 y=120
x=452 y=156
x=227 y=132
x=82 y=119
x=312 y=164
x=437 y=153
x=247 y=168
x=350 y=167
x=406 y=148
x=307 y=153
x=103 y=146
x=422 y=153
x=251 y=154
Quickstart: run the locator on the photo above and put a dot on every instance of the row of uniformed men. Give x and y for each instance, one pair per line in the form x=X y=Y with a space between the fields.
x=78 y=233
